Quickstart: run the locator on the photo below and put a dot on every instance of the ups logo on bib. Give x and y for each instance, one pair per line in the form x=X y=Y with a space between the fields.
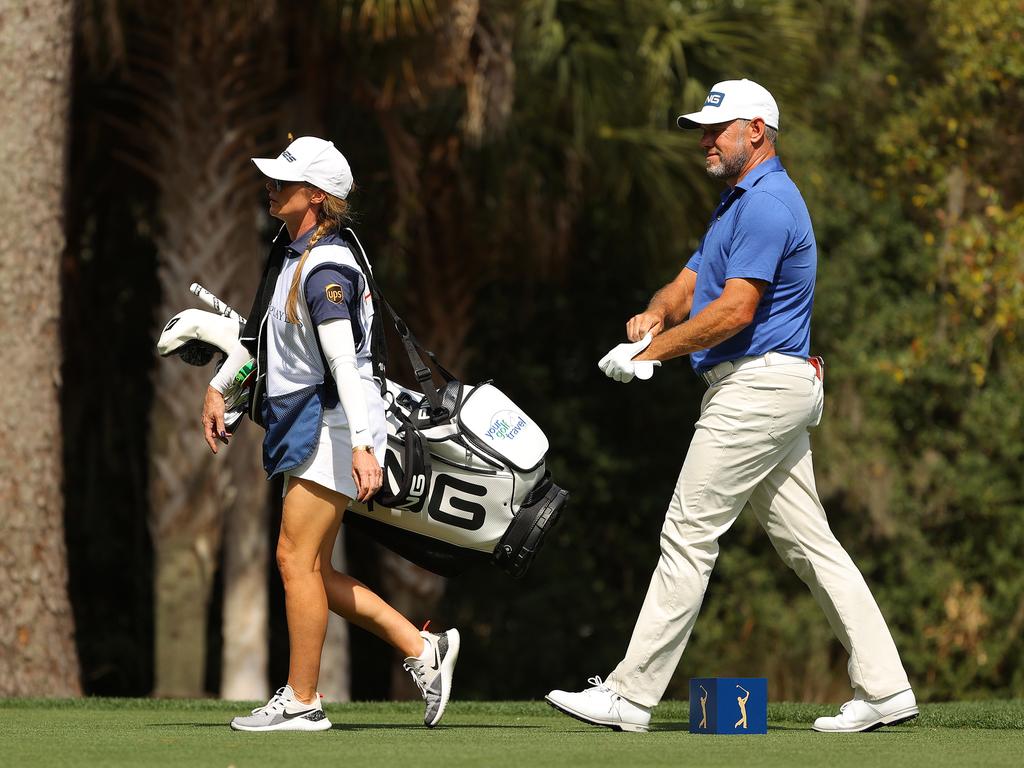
x=334 y=293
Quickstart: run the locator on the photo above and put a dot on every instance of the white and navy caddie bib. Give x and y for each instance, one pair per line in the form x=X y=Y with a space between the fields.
x=332 y=286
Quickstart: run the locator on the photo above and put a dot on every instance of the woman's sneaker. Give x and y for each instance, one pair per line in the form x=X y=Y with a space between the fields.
x=434 y=676
x=285 y=713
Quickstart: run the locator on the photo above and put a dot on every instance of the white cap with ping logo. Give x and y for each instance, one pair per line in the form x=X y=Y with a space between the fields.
x=732 y=100
x=313 y=160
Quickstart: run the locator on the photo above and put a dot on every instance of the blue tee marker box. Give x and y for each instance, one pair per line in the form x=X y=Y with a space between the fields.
x=729 y=705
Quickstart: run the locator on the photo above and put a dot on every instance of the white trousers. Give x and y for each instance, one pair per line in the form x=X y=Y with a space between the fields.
x=751 y=446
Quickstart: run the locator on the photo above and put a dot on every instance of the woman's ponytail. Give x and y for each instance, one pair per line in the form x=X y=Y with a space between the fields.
x=332 y=214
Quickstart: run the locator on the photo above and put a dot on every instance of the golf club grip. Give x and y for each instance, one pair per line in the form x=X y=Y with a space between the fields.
x=210 y=300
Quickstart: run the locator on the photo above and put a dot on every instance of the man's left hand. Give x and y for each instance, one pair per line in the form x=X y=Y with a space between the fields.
x=619 y=364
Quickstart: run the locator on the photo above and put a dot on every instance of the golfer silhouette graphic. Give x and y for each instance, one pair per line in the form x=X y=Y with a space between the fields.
x=742 y=701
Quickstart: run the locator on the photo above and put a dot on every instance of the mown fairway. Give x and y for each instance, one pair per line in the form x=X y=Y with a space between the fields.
x=140 y=732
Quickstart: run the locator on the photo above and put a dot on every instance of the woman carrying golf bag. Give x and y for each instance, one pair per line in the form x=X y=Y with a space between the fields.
x=310 y=332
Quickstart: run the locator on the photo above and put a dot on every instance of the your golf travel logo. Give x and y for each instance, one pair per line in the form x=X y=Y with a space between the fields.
x=505 y=425
x=714 y=99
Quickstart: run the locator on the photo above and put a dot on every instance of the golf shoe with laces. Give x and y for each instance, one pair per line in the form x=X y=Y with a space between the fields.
x=859 y=715
x=600 y=705
x=434 y=676
x=284 y=712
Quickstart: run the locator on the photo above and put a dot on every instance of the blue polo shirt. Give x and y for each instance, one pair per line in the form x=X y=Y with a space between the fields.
x=761 y=230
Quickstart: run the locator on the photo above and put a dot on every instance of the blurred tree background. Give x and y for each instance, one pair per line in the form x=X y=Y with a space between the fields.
x=522 y=190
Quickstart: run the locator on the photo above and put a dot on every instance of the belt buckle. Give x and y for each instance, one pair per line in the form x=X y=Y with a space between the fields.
x=711 y=377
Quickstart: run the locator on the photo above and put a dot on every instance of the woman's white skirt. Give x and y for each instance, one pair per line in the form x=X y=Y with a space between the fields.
x=331 y=462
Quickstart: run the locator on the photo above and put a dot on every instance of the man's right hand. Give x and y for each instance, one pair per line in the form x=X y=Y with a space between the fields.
x=644 y=323
x=213 y=419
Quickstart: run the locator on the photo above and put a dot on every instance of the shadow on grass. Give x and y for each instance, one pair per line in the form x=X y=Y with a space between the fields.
x=790 y=728
x=361 y=726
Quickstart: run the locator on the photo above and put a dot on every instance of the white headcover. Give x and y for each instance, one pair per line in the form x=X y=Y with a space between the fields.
x=198 y=324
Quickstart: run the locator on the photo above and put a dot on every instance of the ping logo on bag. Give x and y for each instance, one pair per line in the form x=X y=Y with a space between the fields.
x=334 y=293
x=505 y=425
x=714 y=99
x=447 y=506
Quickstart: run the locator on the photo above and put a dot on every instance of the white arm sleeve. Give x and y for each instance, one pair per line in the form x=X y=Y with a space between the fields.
x=340 y=350
x=238 y=357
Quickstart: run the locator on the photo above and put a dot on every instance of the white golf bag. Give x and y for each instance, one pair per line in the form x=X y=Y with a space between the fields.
x=464 y=474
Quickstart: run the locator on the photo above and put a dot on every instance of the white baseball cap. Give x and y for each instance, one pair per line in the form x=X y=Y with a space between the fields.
x=731 y=100
x=310 y=159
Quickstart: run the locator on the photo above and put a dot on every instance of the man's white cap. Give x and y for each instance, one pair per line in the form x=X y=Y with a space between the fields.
x=310 y=159
x=731 y=100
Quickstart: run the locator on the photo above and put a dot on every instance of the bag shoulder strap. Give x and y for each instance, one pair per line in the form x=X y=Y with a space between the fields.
x=378 y=347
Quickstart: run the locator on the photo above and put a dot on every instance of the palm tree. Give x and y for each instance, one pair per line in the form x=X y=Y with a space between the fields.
x=195 y=141
x=37 y=648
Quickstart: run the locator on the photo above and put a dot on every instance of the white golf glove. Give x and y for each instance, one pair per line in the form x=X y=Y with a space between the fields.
x=619 y=364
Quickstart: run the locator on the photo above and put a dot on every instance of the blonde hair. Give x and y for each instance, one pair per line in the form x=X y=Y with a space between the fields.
x=330 y=217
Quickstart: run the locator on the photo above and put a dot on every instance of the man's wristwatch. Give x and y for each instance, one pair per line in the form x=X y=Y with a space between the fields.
x=367 y=448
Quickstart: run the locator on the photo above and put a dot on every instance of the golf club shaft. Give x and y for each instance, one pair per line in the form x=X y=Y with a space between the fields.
x=218 y=306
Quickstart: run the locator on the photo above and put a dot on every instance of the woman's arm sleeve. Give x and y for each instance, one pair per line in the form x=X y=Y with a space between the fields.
x=339 y=349
x=238 y=357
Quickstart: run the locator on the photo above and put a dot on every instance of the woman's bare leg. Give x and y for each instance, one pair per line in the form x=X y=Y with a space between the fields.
x=307 y=519
x=360 y=605
x=313 y=514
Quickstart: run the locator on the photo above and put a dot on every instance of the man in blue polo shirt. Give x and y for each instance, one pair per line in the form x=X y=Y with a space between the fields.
x=741 y=308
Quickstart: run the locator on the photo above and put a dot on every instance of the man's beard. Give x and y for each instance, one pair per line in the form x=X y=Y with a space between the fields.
x=733 y=166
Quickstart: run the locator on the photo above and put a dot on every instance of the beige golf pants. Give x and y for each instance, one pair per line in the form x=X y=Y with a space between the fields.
x=751 y=446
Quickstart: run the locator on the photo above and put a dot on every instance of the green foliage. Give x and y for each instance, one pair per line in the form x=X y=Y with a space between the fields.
x=921 y=307
x=551 y=194
x=919 y=313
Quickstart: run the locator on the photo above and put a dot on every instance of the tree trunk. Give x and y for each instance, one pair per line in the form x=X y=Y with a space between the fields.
x=335 y=673
x=246 y=557
x=37 y=649
x=201 y=132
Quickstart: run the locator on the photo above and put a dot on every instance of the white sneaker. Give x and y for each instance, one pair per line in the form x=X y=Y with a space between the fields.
x=285 y=713
x=434 y=677
x=860 y=715
x=601 y=705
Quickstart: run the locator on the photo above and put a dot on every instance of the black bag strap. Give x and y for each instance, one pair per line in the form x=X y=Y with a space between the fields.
x=415 y=462
x=378 y=347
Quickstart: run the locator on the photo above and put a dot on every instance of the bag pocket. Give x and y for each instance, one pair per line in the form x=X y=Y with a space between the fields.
x=500 y=428
x=293 y=423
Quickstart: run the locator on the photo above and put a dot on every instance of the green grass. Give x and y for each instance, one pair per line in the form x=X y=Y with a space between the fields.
x=143 y=732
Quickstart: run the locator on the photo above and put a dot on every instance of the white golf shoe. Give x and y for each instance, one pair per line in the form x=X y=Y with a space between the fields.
x=284 y=712
x=434 y=677
x=601 y=705
x=860 y=715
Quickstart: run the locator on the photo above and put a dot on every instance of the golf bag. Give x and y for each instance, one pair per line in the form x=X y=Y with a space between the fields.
x=465 y=480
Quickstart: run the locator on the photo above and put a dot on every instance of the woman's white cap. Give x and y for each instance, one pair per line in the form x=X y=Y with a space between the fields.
x=313 y=160
x=731 y=100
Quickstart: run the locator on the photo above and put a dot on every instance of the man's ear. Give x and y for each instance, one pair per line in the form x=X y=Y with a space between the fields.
x=757 y=130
